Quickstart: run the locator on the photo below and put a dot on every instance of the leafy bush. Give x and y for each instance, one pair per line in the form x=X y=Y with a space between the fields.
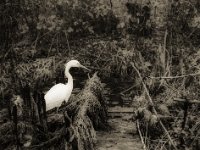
x=73 y=19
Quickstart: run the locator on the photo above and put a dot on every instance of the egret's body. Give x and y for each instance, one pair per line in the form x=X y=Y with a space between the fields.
x=56 y=95
x=61 y=92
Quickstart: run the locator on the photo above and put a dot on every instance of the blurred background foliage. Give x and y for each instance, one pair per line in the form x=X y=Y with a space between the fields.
x=38 y=36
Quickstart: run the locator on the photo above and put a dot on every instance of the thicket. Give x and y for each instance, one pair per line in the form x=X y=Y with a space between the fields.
x=38 y=37
x=171 y=99
x=38 y=33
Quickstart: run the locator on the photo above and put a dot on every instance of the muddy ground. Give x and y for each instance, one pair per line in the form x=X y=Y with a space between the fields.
x=122 y=135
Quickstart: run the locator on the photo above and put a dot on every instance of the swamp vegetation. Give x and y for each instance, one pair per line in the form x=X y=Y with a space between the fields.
x=144 y=56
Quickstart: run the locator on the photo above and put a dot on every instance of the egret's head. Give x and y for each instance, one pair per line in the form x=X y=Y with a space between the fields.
x=75 y=63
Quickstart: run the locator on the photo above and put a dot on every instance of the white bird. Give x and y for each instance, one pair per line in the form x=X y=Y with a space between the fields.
x=61 y=92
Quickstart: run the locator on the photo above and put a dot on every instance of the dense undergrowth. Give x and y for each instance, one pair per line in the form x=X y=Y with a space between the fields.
x=40 y=36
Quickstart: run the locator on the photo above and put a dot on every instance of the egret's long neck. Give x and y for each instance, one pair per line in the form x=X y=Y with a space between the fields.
x=69 y=76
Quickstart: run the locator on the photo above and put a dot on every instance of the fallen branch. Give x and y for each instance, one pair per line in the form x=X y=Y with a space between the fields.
x=153 y=106
x=175 y=77
x=184 y=100
x=126 y=90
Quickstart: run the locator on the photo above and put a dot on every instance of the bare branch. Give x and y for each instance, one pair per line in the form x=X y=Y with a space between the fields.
x=176 y=77
x=153 y=106
x=184 y=100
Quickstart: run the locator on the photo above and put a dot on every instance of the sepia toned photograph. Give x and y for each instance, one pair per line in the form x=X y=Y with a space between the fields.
x=100 y=75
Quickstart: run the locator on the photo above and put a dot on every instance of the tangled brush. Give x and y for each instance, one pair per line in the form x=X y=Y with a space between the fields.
x=89 y=112
x=72 y=128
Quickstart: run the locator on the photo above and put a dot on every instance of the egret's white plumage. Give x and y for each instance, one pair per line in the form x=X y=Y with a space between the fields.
x=60 y=92
x=57 y=94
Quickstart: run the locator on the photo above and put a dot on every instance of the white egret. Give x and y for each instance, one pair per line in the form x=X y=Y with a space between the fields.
x=61 y=92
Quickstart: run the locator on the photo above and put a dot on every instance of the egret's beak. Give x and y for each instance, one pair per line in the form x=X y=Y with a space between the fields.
x=85 y=67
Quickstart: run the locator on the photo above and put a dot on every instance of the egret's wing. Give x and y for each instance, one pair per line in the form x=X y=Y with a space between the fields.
x=57 y=94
